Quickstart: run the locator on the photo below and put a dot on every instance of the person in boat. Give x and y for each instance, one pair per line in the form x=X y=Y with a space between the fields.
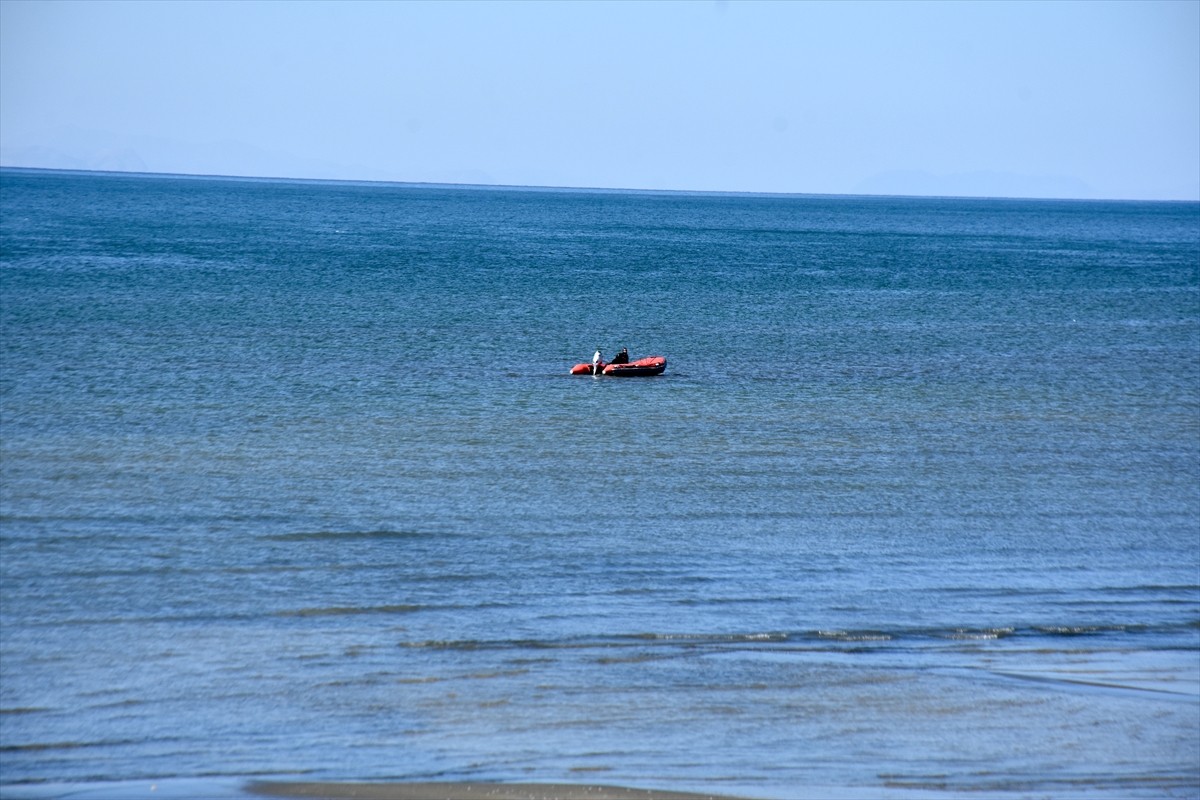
x=596 y=362
x=621 y=357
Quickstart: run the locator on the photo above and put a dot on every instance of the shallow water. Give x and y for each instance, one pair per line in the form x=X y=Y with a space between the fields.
x=294 y=483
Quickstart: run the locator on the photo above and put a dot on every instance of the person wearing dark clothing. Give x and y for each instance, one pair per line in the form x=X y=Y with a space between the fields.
x=621 y=357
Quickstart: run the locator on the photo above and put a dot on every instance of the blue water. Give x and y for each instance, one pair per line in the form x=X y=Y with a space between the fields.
x=295 y=484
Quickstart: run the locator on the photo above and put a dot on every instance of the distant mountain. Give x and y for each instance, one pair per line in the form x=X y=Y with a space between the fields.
x=74 y=148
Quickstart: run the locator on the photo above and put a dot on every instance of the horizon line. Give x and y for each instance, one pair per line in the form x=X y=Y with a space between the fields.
x=580 y=189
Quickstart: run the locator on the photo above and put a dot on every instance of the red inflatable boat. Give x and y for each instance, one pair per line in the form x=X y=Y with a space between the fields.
x=650 y=365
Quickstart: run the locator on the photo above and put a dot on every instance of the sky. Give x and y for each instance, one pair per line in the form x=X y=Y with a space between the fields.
x=1030 y=99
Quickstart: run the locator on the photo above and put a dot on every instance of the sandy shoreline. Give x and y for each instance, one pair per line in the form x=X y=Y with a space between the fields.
x=466 y=791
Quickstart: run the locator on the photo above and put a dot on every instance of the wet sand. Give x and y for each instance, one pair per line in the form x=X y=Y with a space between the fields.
x=467 y=791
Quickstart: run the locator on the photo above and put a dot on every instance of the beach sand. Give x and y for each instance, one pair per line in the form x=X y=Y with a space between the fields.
x=467 y=791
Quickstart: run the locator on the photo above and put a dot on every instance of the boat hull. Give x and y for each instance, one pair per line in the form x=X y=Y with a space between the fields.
x=643 y=367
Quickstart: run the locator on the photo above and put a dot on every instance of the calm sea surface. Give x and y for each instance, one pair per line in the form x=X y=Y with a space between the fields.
x=295 y=484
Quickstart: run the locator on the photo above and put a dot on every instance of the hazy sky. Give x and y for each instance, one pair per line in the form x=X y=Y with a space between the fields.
x=1085 y=99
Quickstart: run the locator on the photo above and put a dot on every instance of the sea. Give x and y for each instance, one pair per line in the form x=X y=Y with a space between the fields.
x=295 y=484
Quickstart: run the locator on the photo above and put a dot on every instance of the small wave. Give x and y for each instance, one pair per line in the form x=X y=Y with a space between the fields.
x=446 y=644
x=981 y=634
x=1085 y=630
x=503 y=673
x=855 y=636
x=1153 y=587
x=340 y=536
x=717 y=638
x=827 y=637
x=34 y=747
x=128 y=703
x=638 y=658
x=495 y=644
x=339 y=611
